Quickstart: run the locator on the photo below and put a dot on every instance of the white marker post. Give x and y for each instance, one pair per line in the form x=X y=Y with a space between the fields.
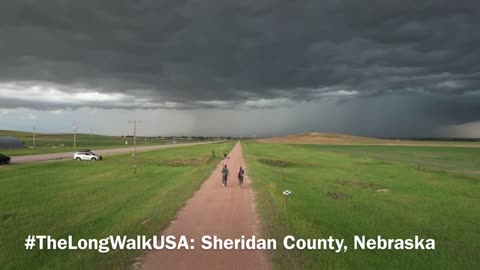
x=286 y=193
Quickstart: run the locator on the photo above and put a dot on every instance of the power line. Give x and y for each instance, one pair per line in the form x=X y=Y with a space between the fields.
x=34 y=131
x=134 y=144
x=75 y=128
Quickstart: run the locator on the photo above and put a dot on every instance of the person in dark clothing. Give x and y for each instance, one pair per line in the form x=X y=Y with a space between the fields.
x=240 y=174
x=225 y=174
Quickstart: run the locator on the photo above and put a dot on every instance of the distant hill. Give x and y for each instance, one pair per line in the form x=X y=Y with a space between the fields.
x=56 y=142
x=325 y=138
x=18 y=134
x=27 y=136
x=334 y=138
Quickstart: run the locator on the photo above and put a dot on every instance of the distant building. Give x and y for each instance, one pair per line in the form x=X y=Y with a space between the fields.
x=10 y=142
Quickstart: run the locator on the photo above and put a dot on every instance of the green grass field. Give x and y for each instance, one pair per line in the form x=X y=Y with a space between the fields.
x=54 y=143
x=369 y=190
x=94 y=200
x=453 y=159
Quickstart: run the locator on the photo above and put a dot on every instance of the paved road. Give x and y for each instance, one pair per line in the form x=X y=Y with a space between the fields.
x=103 y=152
x=214 y=210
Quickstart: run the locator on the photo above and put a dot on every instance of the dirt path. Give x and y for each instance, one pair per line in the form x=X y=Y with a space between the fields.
x=68 y=155
x=214 y=210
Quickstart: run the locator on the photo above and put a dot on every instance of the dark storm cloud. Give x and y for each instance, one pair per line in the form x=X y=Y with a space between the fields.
x=222 y=53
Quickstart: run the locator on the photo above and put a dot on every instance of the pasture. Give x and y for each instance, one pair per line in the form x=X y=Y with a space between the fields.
x=369 y=190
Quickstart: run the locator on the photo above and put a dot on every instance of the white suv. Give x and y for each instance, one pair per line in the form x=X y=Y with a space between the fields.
x=86 y=155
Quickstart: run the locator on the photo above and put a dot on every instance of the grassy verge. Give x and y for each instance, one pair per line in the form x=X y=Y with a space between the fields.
x=345 y=193
x=94 y=200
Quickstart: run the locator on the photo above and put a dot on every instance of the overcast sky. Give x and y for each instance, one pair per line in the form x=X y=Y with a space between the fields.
x=390 y=68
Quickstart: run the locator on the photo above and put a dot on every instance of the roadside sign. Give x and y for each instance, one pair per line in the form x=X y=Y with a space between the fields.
x=286 y=193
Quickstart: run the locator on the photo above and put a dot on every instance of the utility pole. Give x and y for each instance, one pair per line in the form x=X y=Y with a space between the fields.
x=34 y=131
x=75 y=127
x=134 y=145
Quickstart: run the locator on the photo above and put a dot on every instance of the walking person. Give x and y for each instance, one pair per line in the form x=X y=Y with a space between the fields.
x=225 y=174
x=240 y=174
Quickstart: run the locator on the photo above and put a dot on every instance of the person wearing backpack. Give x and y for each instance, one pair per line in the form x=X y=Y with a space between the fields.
x=225 y=173
x=240 y=174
